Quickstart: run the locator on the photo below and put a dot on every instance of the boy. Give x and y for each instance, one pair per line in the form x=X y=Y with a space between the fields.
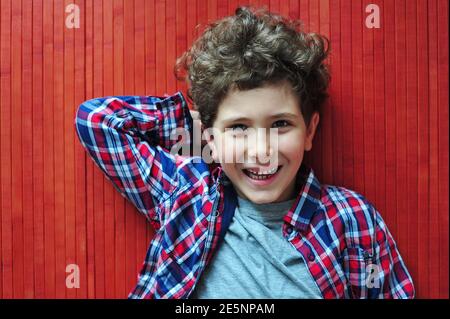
x=243 y=228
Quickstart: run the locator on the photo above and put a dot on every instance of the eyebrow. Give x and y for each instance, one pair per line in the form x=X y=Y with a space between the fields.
x=275 y=116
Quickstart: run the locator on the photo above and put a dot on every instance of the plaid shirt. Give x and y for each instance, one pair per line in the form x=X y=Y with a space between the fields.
x=342 y=239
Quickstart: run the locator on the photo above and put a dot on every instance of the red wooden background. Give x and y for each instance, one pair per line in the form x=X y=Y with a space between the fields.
x=385 y=132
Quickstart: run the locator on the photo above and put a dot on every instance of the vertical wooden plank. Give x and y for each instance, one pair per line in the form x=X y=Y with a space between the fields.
x=69 y=148
x=160 y=47
x=38 y=145
x=327 y=153
x=90 y=208
x=303 y=13
x=181 y=36
x=80 y=157
x=423 y=214
x=335 y=106
x=16 y=149
x=222 y=8
x=99 y=178
x=48 y=150
x=253 y=3
x=108 y=86
x=433 y=208
x=139 y=44
x=315 y=157
x=27 y=149
x=202 y=16
x=265 y=4
x=150 y=37
x=368 y=98
x=410 y=214
x=294 y=8
x=212 y=11
x=130 y=211
x=108 y=53
x=171 y=46
x=401 y=152
x=130 y=243
x=119 y=236
x=379 y=110
x=58 y=117
x=274 y=6
x=191 y=22
x=119 y=201
x=233 y=4
x=249 y=3
x=90 y=166
x=358 y=96
x=347 y=92
x=284 y=9
x=118 y=40
x=390 y=114
x=6 y=165
x=443 y=142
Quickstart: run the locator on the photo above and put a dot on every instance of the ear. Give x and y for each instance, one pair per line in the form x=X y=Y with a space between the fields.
x=311 y=130
x=209 y=138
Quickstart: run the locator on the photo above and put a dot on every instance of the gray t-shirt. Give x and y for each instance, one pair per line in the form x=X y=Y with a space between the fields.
x=255 y=260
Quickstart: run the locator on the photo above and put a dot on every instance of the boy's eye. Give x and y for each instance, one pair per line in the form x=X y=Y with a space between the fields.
x=239 y=127
x=281 y=123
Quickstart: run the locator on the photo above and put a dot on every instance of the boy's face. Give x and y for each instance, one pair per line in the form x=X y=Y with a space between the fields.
x=247 y=146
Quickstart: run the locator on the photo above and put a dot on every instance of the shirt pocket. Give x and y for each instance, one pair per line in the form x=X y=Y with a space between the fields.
x=355 y=261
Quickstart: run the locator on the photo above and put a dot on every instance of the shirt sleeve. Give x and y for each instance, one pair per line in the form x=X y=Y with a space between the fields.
x=130 y=138
x=391 y=279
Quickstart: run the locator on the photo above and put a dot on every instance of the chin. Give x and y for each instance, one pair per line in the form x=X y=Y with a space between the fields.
x=262 y=199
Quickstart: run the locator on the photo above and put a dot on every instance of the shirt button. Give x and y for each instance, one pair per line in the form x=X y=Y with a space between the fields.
x=311 y=257
x=289 y=229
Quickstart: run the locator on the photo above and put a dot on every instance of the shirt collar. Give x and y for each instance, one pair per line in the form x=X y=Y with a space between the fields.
x=306 y=203
x=216 y=172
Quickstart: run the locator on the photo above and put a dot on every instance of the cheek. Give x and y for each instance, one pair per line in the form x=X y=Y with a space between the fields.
x=291 y=146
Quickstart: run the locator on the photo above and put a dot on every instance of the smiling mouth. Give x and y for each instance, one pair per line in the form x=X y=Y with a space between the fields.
x=261 y=175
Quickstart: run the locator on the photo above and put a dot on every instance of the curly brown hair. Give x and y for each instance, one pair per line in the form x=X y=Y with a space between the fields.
x=251 y=49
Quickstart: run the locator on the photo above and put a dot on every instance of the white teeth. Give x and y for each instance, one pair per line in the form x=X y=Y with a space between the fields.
x=269 y=172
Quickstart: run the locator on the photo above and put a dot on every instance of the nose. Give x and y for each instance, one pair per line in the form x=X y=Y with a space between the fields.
x=260 y=147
